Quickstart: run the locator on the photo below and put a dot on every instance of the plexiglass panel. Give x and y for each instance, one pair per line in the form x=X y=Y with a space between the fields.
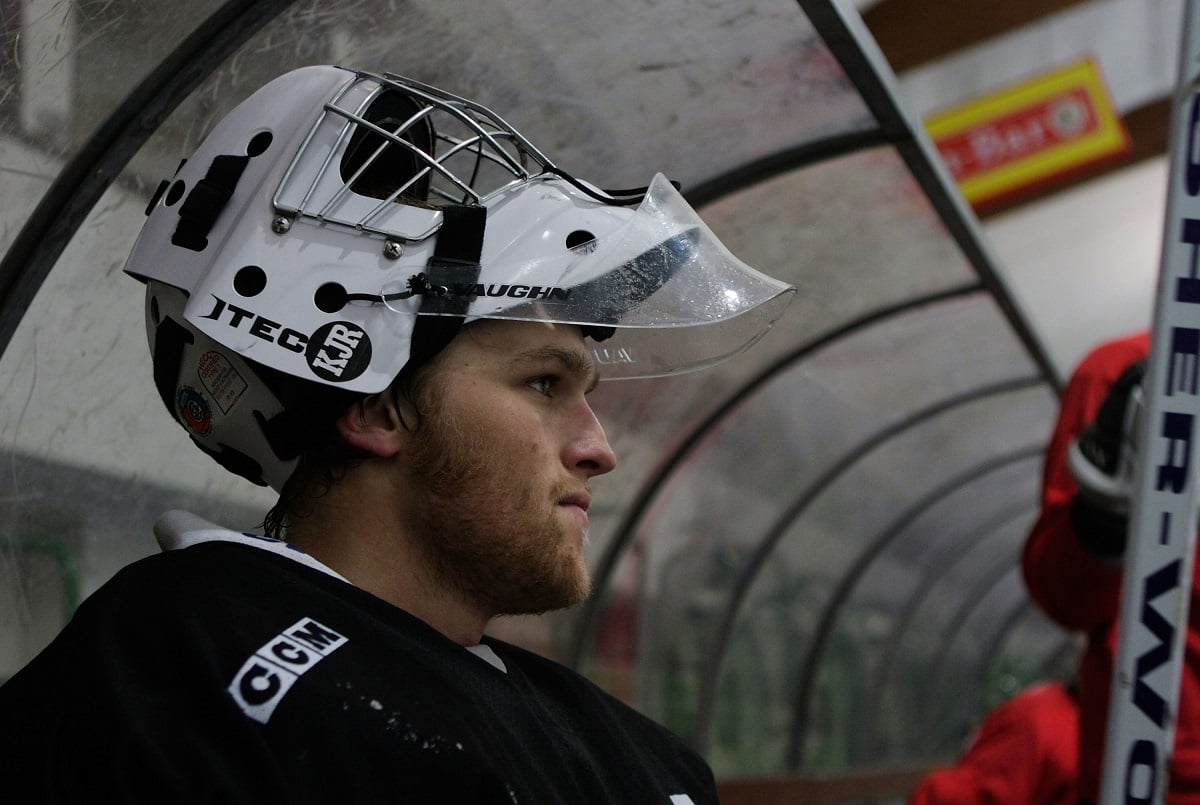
x=65 y=65
x=746 y=543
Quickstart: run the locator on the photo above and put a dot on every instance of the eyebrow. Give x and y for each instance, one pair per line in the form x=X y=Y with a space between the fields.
x=576 y=362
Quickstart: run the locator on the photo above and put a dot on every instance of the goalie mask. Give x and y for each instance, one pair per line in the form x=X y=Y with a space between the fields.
x=337 y=224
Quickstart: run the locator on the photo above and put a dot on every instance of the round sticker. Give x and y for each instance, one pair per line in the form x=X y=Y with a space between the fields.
x=194 y=411
x=339 y=351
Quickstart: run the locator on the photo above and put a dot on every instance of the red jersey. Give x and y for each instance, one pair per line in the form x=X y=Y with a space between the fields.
x=1026 y=751
x=1082 y=592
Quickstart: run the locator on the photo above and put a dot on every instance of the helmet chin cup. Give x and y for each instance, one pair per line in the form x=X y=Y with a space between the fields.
x=309 y=233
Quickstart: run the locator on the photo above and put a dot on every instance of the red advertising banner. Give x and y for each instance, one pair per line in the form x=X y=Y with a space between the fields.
x=1029 y=134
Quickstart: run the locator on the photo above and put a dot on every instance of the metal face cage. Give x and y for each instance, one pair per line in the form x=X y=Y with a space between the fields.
x=386 y=153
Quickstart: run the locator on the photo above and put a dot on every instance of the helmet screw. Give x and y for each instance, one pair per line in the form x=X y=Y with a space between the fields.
x=281 y=224
x=392 y=249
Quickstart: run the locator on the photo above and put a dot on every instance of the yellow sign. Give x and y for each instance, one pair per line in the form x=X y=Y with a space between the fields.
x=1029 y=134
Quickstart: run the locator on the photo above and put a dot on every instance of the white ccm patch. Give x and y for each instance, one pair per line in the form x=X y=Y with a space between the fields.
x=269 y=673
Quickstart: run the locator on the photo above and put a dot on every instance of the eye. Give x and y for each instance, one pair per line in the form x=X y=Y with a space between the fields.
x=543 y=384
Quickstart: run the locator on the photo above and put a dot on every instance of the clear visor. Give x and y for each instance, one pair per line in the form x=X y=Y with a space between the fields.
x=660 y=294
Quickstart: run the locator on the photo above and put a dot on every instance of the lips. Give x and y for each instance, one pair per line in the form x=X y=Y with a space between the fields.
x=581 y=499
x=577 y=504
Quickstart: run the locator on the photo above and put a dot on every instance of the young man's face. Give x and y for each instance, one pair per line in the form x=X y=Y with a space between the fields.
x=498 y=468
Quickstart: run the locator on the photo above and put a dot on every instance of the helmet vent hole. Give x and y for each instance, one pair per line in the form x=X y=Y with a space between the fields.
x=581 y=240
x=155 y=315
x=259 y=143
x=175 y=192
x=330 y=298
x=250 y=281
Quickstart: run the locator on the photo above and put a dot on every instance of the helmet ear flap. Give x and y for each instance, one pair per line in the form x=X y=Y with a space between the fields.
x=170 y=338
x=376 y=166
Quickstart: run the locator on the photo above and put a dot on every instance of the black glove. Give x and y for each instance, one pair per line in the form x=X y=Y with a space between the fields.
x=1101 y=460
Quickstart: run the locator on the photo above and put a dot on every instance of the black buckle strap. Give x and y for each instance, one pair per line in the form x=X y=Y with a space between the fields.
x=454 y=265
x=200 y=209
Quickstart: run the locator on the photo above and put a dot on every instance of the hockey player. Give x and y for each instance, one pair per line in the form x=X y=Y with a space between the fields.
x=1073 y=555
x=1025 y=752
x=385 y=303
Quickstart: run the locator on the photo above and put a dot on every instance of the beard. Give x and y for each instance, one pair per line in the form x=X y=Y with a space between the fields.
x=488 y=530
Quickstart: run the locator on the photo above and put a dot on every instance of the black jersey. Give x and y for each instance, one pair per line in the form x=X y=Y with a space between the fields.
x=224 y=673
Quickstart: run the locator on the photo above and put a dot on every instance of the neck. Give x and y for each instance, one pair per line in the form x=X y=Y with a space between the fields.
x=370 y=546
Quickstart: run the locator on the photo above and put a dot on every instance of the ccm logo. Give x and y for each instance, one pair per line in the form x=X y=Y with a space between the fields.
x=269 y=673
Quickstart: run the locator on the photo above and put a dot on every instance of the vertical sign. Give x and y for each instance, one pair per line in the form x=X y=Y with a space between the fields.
x=1158 y=557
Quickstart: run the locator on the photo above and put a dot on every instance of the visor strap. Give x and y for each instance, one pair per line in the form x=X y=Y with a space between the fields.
x=455 y=265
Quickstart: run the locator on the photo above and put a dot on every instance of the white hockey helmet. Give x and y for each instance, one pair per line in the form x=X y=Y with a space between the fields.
x=338 y=223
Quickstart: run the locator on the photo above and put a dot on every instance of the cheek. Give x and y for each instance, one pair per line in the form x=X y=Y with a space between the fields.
x=526 y=454
x=521 y=430
x=510 y=436
x=515 y=445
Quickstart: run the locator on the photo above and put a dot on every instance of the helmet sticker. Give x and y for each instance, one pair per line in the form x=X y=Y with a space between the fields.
x=194 y=411
x=220 y=379
x=339 y=351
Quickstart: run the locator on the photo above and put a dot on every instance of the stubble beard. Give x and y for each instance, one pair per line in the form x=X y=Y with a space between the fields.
x=487 y=533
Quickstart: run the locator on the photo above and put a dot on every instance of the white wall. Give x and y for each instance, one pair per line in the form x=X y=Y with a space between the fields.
x=1084 y=263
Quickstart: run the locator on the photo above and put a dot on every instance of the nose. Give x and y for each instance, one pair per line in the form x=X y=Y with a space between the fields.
x=588 y=453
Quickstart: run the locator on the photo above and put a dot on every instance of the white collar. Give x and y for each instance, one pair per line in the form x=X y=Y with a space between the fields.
x=179 y=529
x=484 y=652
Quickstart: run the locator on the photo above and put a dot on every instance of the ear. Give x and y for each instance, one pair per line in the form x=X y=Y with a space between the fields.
x=373 y=425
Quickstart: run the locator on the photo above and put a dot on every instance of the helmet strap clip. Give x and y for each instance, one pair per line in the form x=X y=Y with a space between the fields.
x=454 y=265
